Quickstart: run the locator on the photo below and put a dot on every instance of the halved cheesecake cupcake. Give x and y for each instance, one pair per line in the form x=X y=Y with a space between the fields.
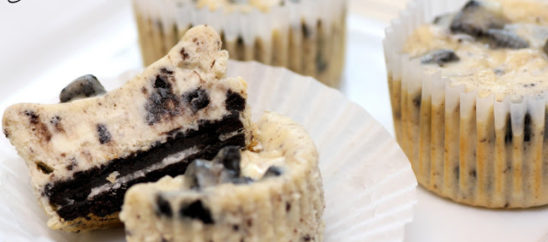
x=84 y=154
x=273 y=193
x=469 y=96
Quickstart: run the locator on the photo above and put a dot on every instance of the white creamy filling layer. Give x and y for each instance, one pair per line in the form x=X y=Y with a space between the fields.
x=226 y=136
x=169 y=160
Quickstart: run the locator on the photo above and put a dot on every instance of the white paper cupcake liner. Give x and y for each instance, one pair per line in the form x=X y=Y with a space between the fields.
x=368 y=182
x=472 y=149
x=352 y=146
x=307 y=36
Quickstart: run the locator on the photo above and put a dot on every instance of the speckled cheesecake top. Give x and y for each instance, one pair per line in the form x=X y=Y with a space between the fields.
x=242 y=5
x=282 y=143
x=494 y=47
x=188 y=85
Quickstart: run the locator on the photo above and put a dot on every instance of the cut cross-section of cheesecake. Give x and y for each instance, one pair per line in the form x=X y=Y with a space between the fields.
x=83 y=155
x=273 y=193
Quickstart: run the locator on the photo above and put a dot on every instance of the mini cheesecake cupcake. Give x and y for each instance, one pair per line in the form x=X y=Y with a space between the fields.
x=306 y=36
x=468 y=85
x=273 y=193
x=83 y=154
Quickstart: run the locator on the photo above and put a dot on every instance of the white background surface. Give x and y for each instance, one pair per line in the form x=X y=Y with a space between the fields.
x=99 y=37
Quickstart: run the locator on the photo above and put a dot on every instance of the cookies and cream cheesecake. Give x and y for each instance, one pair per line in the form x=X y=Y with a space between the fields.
x=469 y=95
x=83 y=154
x=271 y=193
x=306 y=36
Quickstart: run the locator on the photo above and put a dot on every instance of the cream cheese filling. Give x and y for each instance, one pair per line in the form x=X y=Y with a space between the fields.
x=255 y=164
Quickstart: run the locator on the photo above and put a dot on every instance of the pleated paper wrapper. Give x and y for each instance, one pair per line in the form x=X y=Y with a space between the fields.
x=471 y=148
x=368 y=182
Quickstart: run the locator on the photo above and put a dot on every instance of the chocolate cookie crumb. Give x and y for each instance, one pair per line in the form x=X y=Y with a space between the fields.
x=104 y=134
x=44 y=168
x=197 y=99
x=163 y=208
x=198 y=211
x=234 y=102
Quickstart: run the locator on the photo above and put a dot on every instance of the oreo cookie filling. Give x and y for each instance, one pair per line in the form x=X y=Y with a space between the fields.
x=93 y=191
